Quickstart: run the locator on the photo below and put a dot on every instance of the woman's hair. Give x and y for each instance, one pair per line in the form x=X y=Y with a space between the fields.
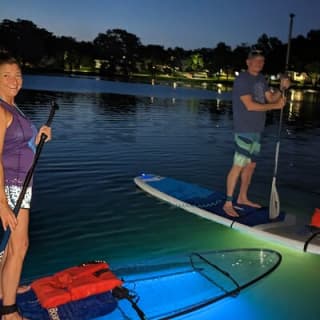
x=6 y=58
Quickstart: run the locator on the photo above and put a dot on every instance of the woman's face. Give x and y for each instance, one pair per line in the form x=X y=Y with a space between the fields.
x=10 y=80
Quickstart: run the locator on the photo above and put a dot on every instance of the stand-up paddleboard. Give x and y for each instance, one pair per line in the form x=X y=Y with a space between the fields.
x=286 y=229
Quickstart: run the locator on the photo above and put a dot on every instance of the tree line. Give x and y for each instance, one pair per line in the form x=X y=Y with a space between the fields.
x=118 y=52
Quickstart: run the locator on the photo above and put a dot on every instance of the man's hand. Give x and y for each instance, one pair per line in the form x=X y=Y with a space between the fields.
x=280 y=103
x=284 y=83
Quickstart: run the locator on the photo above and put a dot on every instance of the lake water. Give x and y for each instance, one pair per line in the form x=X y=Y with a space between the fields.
x=86 y=205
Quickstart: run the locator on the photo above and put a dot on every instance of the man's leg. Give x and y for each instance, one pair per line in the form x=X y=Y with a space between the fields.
x=246 y=176
x=254 y=149
x=232 y=180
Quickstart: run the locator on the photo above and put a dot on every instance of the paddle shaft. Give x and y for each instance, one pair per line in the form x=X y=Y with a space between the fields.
x=28 y=178
x=274 y=204
x=276 y=158
x=283 y=94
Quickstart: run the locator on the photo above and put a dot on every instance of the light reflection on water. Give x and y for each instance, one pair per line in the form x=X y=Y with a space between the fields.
x=86 y=206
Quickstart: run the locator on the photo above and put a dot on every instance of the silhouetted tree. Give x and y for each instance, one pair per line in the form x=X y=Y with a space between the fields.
x=153 y=56
x=222 y=56
x=239 y=56
x=195 y=62
x=119 y=49
x=175 y=58
x=25 y=40
x=275 y=53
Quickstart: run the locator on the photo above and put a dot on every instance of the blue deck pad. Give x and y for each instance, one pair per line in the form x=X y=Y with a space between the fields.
x=212 y=201
x=84 y=309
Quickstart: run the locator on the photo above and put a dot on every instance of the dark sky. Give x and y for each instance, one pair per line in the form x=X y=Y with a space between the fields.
x=189 y=24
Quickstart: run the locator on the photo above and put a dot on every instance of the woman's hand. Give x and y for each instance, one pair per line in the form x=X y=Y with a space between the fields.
x=8 y=219
x=44 y=130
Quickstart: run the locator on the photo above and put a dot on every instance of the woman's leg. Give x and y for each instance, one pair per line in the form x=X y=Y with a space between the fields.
x=16 y=251
x=2 y=263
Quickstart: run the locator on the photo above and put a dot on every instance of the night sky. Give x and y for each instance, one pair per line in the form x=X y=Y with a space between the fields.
x=189 y=24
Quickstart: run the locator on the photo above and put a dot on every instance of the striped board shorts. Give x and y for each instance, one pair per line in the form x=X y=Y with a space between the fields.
x=13 y=192
x=247 y=148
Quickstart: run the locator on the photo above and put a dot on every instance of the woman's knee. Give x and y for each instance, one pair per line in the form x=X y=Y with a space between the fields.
x=19 y=240
x=18 y=249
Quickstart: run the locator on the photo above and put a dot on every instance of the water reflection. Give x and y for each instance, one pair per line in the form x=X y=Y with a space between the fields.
x=303 y=109
x=94 y=85
x=112 y=103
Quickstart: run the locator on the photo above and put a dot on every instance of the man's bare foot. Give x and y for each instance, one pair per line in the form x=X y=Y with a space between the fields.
x=228 y=209
x=249 y=203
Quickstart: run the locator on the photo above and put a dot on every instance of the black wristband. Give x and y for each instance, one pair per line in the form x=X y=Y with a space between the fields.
x=8 y=309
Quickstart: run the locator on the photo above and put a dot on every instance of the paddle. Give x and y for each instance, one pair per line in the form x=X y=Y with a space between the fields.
x=27 y=180
x=274 y=203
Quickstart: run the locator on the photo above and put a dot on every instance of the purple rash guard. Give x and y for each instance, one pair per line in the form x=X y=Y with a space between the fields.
x=19 y=147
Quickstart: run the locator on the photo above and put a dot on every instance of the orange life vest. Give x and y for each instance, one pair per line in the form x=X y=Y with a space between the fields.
x=315 y=220
x=74 y=284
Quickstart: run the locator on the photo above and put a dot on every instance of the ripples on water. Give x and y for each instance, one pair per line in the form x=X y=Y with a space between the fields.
x=85 y=203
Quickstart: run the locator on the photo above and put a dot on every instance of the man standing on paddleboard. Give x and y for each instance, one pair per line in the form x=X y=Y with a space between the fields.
x=251 y=98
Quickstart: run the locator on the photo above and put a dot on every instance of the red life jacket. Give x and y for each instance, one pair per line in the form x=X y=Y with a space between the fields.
x=315 y=220
x=74 y=284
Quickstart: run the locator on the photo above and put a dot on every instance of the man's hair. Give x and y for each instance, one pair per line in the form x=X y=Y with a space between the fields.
x=7 y=58
x=255 y=53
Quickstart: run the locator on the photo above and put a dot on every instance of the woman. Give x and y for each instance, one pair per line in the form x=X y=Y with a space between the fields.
x=18 y=139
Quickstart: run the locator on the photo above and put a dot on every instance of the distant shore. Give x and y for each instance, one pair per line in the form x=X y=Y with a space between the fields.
x=222 y=82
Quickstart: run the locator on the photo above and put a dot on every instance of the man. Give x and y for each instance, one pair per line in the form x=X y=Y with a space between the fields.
x=251 y=98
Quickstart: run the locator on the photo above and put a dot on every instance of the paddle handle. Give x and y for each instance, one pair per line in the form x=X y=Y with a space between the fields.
x=43 y=138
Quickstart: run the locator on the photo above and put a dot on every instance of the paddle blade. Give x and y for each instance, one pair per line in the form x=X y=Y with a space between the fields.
x=274 y=204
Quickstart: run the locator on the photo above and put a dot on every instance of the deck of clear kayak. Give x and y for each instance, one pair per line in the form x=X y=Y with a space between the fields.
x=179 y=286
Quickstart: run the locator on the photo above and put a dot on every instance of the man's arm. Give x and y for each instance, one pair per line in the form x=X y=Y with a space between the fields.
x=273 y=96
x=251 y=105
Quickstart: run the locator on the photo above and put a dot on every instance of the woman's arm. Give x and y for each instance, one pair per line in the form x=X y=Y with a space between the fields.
x=6 y=214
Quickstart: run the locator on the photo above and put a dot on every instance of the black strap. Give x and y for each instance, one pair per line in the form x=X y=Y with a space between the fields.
x=123 y=293
x=98 y=273
x=8 y=309
x=306 y=244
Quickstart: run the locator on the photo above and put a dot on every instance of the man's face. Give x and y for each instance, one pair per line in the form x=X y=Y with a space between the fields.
x=255 y=64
